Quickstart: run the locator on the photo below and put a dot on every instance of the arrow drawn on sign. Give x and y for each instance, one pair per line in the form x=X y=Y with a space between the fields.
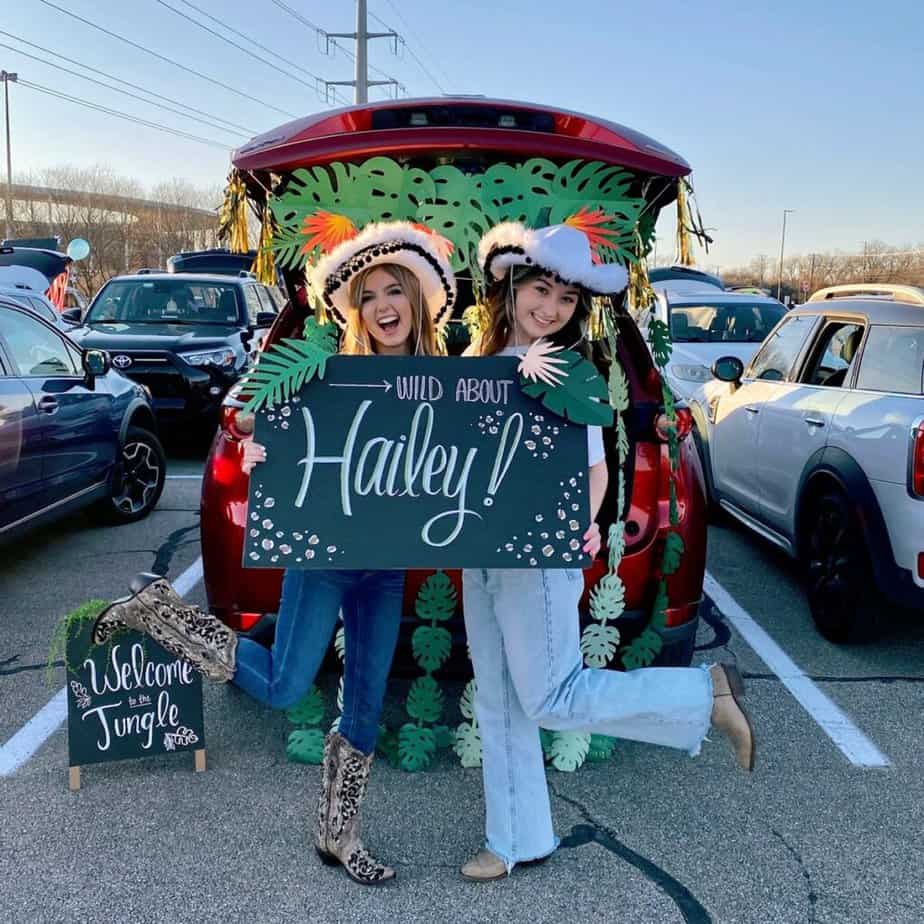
x=385 y=384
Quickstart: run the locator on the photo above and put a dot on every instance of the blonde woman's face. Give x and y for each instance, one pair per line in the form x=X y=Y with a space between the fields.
x=386 y=312
x=542 y=307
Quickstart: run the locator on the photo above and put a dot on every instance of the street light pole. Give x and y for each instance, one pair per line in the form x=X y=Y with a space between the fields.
x=7 y=78
x=779 y=285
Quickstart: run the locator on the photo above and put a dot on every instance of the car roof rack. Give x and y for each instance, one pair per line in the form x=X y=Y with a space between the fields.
x=887 y=291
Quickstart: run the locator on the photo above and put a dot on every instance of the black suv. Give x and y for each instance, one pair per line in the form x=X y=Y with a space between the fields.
x=187 y=337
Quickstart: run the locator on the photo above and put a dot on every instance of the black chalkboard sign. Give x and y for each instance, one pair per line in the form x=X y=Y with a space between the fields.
x=129 y=698
x=417 y=462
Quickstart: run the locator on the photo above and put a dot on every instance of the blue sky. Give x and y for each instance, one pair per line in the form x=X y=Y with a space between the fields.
x=813 y=106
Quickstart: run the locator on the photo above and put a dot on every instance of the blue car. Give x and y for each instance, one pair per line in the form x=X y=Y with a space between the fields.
x=73 y=432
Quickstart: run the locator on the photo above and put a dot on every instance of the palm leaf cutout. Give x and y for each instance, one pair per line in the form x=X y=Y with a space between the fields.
x=309 y=710
x=425 y=700
x=468 y=744
x=673 y=550
x=436 y=599
x=285 y=367
x=601 y=748
x=659 y=336
x=642 y=650
x=431 y=646
x=569 y=750
x=608 y=598
x=467 y=701
x=599 y=644
x=416 y=747
x=581 y=397
x=305 y=746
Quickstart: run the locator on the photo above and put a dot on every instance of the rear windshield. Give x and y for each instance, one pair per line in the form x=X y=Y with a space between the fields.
x=893 y=360
x=740 y=323
x=176 y=301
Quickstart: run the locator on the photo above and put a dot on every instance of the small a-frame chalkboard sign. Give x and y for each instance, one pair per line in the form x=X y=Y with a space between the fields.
x=129 y=698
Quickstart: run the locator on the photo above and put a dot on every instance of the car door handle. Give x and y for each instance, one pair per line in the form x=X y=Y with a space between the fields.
x=814 y=422
x=48 y=404
x=752 y=410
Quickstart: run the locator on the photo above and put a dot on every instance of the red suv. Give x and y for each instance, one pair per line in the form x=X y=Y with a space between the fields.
x=479 y=133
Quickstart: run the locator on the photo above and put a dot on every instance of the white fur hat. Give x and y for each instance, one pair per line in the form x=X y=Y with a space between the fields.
x=398 y=242
x=561 y=249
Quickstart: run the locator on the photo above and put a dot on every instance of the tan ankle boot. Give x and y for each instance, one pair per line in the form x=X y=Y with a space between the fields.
x=349 y=776
x=485 y=866
x=729 y=715
x=156 y=609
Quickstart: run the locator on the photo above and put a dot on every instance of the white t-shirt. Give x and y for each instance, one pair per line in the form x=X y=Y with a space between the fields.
x=595 y=451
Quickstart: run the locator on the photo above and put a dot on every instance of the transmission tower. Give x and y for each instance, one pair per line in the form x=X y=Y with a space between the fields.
x=362 y=35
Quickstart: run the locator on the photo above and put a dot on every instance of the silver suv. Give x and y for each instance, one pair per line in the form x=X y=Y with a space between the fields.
x=819 y=447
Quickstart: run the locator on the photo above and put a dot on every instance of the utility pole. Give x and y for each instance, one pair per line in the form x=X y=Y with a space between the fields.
x=779 y=285
x=361 y=82
x=8 y=78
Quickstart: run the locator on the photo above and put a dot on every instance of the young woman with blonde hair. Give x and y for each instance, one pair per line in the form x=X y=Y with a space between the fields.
x=389 y=289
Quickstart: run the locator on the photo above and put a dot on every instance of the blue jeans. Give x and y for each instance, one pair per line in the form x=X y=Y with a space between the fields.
x=311 y=603
x=524 y=636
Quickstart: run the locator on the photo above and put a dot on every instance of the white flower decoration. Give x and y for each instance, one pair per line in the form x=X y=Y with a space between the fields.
x=540 y=365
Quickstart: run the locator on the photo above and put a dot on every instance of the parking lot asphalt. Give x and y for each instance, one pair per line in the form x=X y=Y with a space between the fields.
x=650 y=836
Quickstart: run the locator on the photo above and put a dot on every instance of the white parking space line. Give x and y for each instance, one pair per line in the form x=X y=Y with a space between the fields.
x=46 y=721
x=834 y=722
x=184 y=478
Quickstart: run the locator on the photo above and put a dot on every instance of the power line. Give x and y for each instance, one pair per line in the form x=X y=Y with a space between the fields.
x=247 y=38
x=412 y=53
x=122 y=115
x=416 y=38
x=128 y=83
x=298 y=17
x=161 y=57
x=247 y=51
x=107 y=86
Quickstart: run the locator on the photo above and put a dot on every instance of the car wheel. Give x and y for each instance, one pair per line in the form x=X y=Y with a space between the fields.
x=138 y=479
x=839 y=576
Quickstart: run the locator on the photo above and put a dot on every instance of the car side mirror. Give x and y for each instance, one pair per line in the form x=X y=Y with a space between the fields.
x=71 y=315
x=95 y=362
x=728 y=369
x=265 y=319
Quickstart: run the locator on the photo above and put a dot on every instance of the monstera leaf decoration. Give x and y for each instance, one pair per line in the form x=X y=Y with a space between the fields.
x=581 y=395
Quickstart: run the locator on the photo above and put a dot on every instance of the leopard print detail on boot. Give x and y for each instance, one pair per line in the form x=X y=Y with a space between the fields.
x=188 y=632
x=117 y=617
x=328 y=770
x=350 y=775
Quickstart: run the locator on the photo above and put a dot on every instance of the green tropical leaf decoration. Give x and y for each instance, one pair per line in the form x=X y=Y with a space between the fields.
x=416 y=747
x=467 y=701
x=468 y=744
x=308 y=711
x=425 y=700
x=659 y=336
x=436 y=600
x=569 y=750
x=281 y=371
x=431 y=646
x=323 y=336
x=340 y=643
x=601 y=748
x=599 y=644
x=673 y=551
x=608 y=598
x=581 y=397
x=305 y=746
x=641 y=651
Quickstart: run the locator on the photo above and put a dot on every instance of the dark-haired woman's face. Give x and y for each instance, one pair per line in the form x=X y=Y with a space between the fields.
x=542 y=307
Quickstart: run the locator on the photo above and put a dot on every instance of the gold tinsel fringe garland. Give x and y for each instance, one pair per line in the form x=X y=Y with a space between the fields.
x=684 y=250
x=232 y=216
x=264 y=264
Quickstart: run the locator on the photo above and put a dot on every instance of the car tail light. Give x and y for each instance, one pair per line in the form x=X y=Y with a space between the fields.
x=236 y=423
x=921 y=564
x=684 y=424
x=248 y=620
x=917 y=462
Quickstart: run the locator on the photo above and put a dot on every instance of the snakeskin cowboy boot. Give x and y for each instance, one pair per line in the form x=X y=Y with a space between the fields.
x=348 y=771
x=327 y=774
x=156 y=609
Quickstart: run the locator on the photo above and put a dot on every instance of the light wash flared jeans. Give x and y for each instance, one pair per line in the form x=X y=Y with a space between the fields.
x=524 y=636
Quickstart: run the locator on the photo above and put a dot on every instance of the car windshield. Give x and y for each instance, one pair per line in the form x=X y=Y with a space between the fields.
x=739 y=323
x=158 y=301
